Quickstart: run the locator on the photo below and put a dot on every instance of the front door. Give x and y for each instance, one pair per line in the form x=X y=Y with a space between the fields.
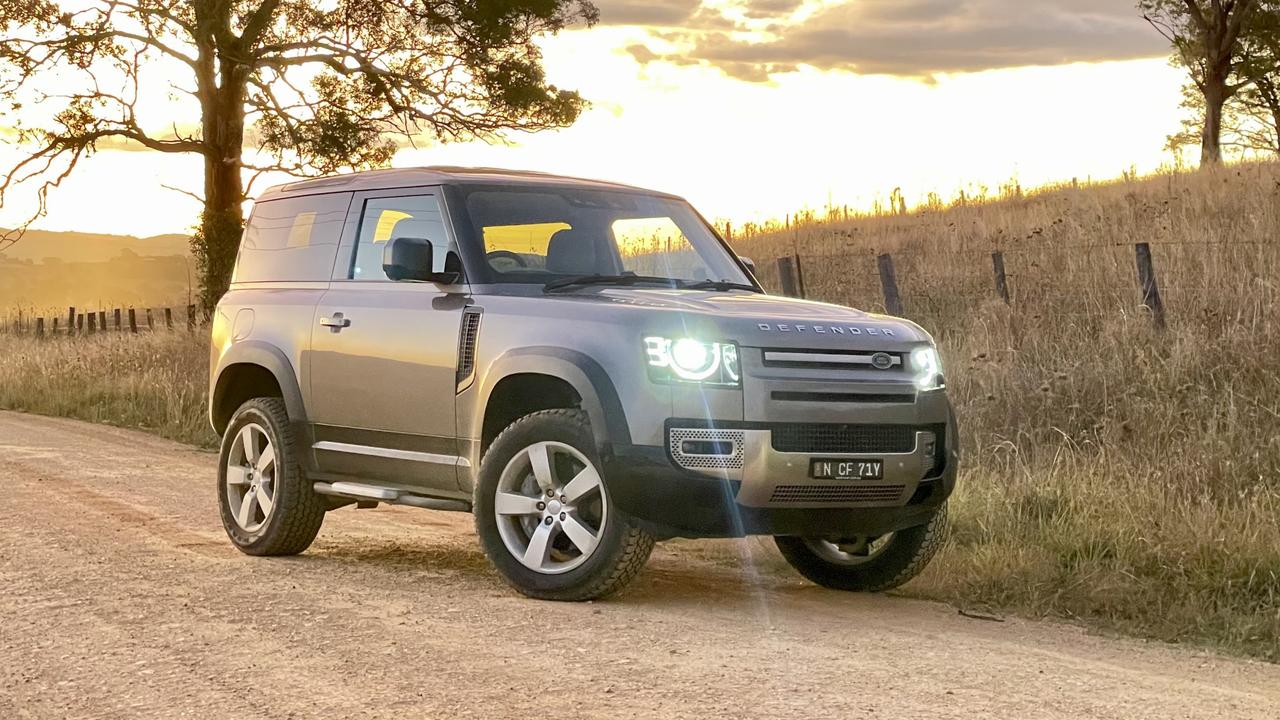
x=384 y=355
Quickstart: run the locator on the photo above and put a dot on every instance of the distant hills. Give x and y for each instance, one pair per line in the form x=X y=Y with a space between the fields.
x=36 y=245
x=49 y=270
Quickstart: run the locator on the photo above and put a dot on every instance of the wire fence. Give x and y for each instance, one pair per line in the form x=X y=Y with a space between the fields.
x=1091 y=280
x=80 y=322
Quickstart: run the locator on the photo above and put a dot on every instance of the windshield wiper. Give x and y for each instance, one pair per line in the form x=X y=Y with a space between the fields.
x=578 y=280
x=719 y=285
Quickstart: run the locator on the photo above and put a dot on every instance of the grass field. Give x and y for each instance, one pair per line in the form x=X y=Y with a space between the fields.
x=1111 y=472
x=1115 y=474
x=151 y=381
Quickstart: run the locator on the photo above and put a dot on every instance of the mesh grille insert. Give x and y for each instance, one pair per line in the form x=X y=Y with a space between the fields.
x=877 y=494
x=828 y=438
x=721 y=461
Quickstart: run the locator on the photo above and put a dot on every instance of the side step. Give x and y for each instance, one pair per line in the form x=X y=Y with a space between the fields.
x=377 y=493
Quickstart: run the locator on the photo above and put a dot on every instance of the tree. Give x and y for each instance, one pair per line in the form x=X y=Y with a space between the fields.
x=1205 y=35
x=1250 y=117
x=319 y=86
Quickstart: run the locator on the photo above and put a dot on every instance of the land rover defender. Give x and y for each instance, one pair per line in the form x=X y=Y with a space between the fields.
x=584 y=366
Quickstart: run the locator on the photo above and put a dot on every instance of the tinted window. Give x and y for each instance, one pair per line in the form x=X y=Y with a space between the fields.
x=384 y=219
x=293 y=239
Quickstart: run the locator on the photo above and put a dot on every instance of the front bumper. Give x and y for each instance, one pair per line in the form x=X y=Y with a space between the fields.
x=757 y=489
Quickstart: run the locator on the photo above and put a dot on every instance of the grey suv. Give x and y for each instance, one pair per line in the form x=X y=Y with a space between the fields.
x=584 y=366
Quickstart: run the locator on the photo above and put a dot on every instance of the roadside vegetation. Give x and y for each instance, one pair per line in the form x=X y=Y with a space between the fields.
x=150 y=381
x=1113 y=473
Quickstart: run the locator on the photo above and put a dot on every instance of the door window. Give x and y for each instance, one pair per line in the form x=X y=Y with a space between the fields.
x=385 y=219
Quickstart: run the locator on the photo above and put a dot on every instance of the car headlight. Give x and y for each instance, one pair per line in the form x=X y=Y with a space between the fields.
x=692 y=361
x=927 y=367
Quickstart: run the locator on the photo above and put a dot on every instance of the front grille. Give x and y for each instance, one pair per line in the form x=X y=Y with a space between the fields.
x=844 y=439
x=838 y=397
x=836 y=360
x=877 y=494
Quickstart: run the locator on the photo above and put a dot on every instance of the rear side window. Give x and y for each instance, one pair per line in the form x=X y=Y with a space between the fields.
x=293 y=239
x=384 y=219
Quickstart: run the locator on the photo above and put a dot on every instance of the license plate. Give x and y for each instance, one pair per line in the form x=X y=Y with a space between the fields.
x=846 y=469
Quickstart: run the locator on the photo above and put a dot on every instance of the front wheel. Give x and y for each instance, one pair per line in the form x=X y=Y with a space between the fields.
x=866 y=563
x=544 y=515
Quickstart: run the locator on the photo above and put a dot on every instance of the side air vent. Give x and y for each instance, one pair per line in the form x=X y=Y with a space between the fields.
x=467 y=347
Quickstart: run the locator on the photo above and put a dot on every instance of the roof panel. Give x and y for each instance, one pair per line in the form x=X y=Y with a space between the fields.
x=432 y=175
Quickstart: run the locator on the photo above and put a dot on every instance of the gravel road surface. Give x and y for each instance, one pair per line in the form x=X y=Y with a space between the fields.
x=121 y=598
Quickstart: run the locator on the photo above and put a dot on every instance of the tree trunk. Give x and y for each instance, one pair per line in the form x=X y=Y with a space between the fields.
x=222 y=222
x=1215 y=96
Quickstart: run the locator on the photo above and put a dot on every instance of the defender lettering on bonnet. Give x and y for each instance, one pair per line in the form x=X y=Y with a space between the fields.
x=825 y=329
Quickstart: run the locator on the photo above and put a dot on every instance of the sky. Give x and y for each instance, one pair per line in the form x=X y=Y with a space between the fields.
x=753 y=109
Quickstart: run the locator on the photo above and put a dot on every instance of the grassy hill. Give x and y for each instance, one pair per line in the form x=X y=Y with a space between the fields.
x=40 y=245
x=52 y=270
x=1112 y=471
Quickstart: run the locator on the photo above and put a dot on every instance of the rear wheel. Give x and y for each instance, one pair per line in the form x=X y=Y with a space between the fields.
x=268 y=507
x=544 y=515
x=866 y=563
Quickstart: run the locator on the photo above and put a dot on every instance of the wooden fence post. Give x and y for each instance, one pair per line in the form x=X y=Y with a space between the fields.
x=168 y=318
x=788 y=277
x=93 y=322
x=133 y=321
x=102 y=320
x=71 y=320
x=1002 y=282
x=117 y=319
x=54 y=331
x=39 y=327
x=889 y=282
x=151 y=323
x=1147 y=281
x=80 y=323
x=191 y=318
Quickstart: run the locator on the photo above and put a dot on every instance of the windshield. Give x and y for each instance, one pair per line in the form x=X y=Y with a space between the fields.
x=543 y=235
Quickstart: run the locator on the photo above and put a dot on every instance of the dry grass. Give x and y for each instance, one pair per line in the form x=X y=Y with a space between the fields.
x=151 y=381
x=1111 y=472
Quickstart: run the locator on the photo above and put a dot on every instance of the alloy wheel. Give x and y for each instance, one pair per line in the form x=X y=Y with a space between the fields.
x=551 y=507
x=850 y=551
x=251 y=478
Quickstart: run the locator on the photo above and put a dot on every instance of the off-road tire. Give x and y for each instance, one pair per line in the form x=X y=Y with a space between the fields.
x=298 y=511
x=908 y=553
x=623 y=548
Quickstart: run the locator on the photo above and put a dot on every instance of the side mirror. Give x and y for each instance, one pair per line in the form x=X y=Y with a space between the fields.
x=407 y=258
x=751 y=264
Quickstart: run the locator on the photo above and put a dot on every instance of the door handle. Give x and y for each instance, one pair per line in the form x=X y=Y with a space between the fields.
x=336 y=322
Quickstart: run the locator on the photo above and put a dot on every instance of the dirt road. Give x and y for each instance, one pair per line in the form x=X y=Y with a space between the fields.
x=121 y=598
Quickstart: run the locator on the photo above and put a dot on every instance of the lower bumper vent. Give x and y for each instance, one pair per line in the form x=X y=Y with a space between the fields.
x=879 y=494
x=826 y=438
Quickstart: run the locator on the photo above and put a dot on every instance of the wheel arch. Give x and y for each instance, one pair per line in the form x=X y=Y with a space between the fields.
x=253 y=369
x=576 y=371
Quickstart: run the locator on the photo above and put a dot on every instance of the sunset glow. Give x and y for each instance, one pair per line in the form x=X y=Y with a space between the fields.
x=740 y=149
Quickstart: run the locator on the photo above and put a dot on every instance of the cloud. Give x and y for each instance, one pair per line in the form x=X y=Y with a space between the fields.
x=923 y=37
x=664 y=13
